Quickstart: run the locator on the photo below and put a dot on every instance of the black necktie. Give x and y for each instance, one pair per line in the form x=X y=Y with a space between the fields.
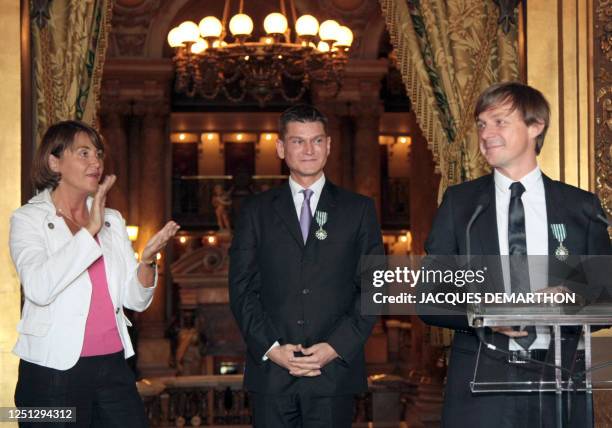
x=517 y=247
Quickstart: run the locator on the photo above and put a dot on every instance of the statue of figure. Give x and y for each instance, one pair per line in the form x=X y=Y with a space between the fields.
x=221 y=202
x=188 y=357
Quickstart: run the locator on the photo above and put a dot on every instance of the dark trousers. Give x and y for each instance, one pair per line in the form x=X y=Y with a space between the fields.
x=301 y=411
x=102 y=388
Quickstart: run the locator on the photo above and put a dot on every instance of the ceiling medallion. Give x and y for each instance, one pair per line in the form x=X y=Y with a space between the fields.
x=284 y=62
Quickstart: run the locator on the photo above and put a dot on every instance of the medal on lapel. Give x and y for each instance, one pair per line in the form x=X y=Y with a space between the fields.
x=321 y=218
x=560 y=233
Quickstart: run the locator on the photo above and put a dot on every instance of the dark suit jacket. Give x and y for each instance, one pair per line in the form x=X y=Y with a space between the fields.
x=282 y=290
x=586 y=235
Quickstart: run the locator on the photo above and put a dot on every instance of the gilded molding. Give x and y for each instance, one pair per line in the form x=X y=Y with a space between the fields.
x=602 y=60
x=131 y=27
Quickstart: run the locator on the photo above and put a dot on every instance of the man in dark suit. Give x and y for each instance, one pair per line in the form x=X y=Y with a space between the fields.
x=516 y=211
x=295 y=286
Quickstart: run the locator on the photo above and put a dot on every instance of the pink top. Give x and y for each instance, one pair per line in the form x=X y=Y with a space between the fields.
x=101 y=334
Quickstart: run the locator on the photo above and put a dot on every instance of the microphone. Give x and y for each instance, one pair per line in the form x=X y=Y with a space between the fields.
x=483 y=202
x=605 y=220
x=598 y=217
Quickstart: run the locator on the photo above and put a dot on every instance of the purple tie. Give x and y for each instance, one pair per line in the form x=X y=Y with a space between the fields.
x=306 y=214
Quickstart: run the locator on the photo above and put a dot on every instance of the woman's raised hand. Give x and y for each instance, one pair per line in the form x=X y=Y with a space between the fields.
x=96 y=213
x=159 y=241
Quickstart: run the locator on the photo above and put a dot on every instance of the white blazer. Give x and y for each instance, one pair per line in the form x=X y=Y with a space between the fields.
x=52 y=266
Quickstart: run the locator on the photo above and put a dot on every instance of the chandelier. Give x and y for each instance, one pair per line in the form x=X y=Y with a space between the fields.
x=209 y=62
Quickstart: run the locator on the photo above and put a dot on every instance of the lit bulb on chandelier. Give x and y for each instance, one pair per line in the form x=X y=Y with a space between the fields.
x=211 y=27
x=200 y=46
x=189 y=32
x=241 y=25
x=344 y=37
x=328 y=31
x=275 y=23
x=307 y=25
x=175 y=38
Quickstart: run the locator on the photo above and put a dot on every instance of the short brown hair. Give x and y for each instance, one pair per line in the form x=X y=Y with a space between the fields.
x=304 y=113
x=58 y=137
x=530 y=103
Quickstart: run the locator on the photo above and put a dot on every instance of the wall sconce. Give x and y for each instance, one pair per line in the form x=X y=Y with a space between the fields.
x=408 y=241
x=183 y=239
x=132 y=232
x=183 y=137
x=208 y=138
x=267 y=139
x=402 y=243
x=211 y=240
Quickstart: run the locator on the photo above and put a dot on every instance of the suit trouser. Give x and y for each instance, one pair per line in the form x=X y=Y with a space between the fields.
x=301 y=411
x=102 y=388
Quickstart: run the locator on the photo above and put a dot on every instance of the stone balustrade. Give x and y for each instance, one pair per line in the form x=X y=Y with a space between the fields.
x=220 y=400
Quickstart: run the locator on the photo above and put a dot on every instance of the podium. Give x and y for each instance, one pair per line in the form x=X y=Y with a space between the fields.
x=552 y=376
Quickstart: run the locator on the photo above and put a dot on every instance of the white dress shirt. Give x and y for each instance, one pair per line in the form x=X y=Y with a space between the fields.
x=536 y=232
x=298 y=195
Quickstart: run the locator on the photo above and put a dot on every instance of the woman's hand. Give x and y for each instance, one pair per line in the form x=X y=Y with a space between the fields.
x=159 y=241
x=96 y=213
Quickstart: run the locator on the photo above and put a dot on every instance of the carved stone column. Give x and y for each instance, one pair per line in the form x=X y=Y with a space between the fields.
x=117 y=160
x=347 y=135
x=153 y=180
x=359 y=93
x=423 y=205
x=154 y=349
x=144 y=123
x=133 y=131
x=366 y=153
x=333 y=112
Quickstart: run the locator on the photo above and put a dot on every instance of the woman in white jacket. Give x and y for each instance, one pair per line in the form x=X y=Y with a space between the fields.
x=77 y=268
